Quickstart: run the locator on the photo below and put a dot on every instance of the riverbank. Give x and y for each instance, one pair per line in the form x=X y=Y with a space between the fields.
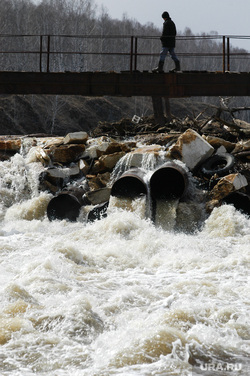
x=220 y=155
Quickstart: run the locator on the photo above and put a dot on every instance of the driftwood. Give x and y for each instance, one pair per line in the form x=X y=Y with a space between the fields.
x=237 y=126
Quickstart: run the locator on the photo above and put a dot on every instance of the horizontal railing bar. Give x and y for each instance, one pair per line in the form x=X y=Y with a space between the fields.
x=183 y=54
x=48 y=46
x=99 y=36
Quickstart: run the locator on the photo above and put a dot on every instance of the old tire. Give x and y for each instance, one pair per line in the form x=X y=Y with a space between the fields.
x=218 y=164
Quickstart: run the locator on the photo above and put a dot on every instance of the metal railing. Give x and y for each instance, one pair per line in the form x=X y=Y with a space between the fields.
x=55 y=53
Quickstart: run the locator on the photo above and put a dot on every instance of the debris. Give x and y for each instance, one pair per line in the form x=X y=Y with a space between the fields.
x=136 y=119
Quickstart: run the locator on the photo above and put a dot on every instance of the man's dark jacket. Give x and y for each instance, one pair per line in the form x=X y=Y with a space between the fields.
x=168 y=34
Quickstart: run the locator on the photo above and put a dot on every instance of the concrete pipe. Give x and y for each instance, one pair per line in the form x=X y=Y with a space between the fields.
x=66 y=205
x=169 y=181
x=131 y=184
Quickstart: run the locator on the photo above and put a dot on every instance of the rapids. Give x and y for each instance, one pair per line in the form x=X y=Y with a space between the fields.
x=122 y=295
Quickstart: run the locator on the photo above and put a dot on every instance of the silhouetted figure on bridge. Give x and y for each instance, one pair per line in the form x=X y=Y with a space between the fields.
x=168 y=44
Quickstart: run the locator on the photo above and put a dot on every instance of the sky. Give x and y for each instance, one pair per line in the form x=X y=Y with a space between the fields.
x=226 y=17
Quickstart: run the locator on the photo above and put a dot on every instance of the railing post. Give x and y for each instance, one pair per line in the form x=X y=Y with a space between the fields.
x=135 y=62
x=228 y=55
x=224 y=52
x=48 y=53
x=131 y=52
x=41 y=52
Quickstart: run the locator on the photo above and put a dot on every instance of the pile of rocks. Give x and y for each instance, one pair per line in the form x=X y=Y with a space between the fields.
x=83 y=164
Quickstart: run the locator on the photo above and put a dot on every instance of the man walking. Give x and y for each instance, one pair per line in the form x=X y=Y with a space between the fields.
x=168 y=44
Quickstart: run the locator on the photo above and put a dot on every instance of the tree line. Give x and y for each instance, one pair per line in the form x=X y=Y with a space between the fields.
x=77 y=18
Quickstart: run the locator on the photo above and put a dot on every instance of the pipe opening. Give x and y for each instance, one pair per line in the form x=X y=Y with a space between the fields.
x=130 y=184
x=168 y=182
x=64 y=206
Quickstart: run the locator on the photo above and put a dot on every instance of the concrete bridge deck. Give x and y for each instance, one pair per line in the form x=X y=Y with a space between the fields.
x=135 y=83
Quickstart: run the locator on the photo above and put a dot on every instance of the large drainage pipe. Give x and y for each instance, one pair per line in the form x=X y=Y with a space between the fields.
x=169 y=181
x=131 y=184
x=66 y=205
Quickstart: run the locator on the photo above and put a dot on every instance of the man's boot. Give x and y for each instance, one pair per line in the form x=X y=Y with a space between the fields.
x=159 y=69
x=177 y=67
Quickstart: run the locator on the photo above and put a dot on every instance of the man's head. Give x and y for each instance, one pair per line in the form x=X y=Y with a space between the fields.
x=165 y=15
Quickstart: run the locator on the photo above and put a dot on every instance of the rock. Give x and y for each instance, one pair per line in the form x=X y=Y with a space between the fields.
x=210 y=205
x=153 y=149
x=216 y=142
x=65 y=173
x=191 y=149
x=94 y=182
x=42 y=156
x=104 y=178
x=227 y=185
x=37 y=154
x=95 y=148
x=159 y=139
x=10 y=144
x=135 y=159
x=98 y=196
x=76 y=138
x=66 y=153
x=115 y=147
x=54 y=179
x=137 y=156
x=221 y=151
x=106 y=162
x=47 y=186
x=98 y=181
x=83 y=166
x=47 y=142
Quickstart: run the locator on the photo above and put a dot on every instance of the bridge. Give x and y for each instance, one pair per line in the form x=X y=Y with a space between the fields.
x=126 y=84
x=59 y=65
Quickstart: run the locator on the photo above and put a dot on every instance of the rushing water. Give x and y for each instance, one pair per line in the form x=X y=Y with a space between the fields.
x=120 y=296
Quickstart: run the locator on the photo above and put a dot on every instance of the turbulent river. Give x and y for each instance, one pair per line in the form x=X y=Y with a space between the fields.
x=121 y=295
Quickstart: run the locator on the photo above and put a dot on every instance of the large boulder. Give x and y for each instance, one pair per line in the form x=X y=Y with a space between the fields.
x=191 y=149
x=225 y=187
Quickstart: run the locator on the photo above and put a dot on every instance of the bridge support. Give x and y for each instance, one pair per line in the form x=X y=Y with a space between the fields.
x=167 y=108
x=159 y=109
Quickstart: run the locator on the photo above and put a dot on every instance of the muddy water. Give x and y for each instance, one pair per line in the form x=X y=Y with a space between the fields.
x=120 y=296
